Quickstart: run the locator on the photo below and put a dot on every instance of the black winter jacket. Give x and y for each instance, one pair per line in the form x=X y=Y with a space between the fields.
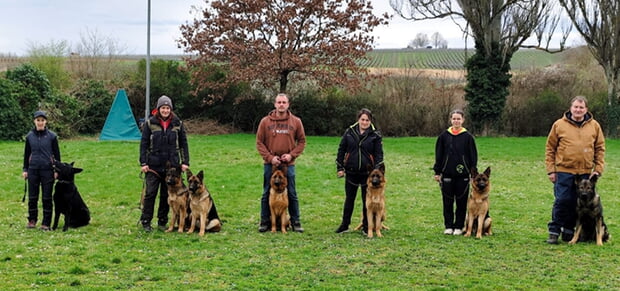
x=159 y=146
x=357 y=152
x=455 y=155
x=41 y=150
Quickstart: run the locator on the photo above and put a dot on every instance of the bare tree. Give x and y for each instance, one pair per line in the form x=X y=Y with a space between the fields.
x=95 y=55
x=270 y=41
x=499 y=28
x=598 y=22
x=420 y=41
x=438 y=41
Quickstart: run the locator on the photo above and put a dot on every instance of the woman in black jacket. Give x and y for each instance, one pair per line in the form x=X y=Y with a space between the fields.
x=455 y=155
x=39 y=154
x=360 y=149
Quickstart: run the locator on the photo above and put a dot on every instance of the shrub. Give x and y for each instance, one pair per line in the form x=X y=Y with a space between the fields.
x=15 y=122
x=94 y=102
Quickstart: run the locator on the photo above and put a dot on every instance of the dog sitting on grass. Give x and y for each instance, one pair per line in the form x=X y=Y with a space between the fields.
x=67 y=198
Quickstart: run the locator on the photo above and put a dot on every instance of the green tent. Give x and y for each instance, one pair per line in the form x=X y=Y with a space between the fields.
x=120 y=123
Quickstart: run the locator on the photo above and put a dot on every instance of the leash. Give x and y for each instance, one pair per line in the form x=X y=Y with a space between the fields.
x=142 y=176
x=25 y=190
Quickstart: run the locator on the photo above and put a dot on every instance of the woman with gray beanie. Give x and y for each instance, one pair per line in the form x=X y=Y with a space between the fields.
x=163 y=140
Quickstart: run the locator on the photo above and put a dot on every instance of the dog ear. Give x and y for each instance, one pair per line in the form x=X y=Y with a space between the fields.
x=474 y=172
x=382 y=168
x=594 y=178
x=77 y=170
x=201 y=175
x=488 y=172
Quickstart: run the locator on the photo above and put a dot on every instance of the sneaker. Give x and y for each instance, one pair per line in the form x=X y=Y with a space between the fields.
x=31 y=224
x=448 y=231
x=364 y=232
x=297 y=226
x=342 y=229
x=263 y=227
x=567 y=237
x=457 y=231
x=553 y=239
x=45 y=228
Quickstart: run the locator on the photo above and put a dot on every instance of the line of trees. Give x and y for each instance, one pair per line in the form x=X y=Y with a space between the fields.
x=422 y=40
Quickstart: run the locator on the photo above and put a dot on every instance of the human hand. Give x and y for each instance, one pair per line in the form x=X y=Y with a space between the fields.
x=552 y=177
x=25 y=175
x=145 y=168
x=286 y=158
x=340 y=174
x=275 y=161
x=437 y=178
x=184 y=167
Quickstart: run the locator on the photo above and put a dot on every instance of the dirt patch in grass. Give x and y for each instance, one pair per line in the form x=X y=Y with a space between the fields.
x=207 y=127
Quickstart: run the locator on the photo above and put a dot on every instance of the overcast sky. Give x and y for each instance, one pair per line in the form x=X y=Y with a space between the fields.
x=26 y=22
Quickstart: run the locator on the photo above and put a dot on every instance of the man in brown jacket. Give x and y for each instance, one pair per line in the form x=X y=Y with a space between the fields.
x=280 y=139
x=575 y=146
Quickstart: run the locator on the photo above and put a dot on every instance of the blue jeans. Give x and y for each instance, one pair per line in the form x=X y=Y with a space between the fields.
x=564 y=212
x=293 y=203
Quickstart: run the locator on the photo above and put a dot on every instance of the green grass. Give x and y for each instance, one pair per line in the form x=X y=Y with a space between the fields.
x=113 y=253
x=451 y=59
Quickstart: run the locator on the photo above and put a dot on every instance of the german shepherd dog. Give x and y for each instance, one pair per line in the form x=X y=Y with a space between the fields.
x=178 y=197
x=478 y=204
x=201 y=205
x=590 y=223
x=278 y=199
x=375 y=201
x=67 y=198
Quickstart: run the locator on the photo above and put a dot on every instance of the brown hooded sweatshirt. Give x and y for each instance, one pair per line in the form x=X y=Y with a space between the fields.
x=276 y=136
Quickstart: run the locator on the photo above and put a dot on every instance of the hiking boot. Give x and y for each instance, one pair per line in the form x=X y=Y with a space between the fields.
x=553 y=239
x=31 y=224
x=263 y=227
x=297 y=226
x=567 y=237
x=342 y=229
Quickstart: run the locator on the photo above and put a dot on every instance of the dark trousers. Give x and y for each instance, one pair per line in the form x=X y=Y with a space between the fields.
x=353 y=181
x=153 y=184
x=293 y=202
x=45 y=180
x=564 y=212
x=454 y=190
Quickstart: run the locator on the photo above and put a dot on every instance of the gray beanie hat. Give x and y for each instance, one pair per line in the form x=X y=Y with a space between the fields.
x=164 y=100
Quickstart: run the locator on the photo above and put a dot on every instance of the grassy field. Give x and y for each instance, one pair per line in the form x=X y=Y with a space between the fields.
x=451 y=59
x=437 y=59
x=114 y=253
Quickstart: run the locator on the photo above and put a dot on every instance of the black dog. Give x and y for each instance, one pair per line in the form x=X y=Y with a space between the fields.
x=67 y=199
x=590 y=223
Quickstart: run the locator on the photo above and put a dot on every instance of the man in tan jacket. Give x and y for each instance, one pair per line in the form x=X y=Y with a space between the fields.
x=575 y=146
